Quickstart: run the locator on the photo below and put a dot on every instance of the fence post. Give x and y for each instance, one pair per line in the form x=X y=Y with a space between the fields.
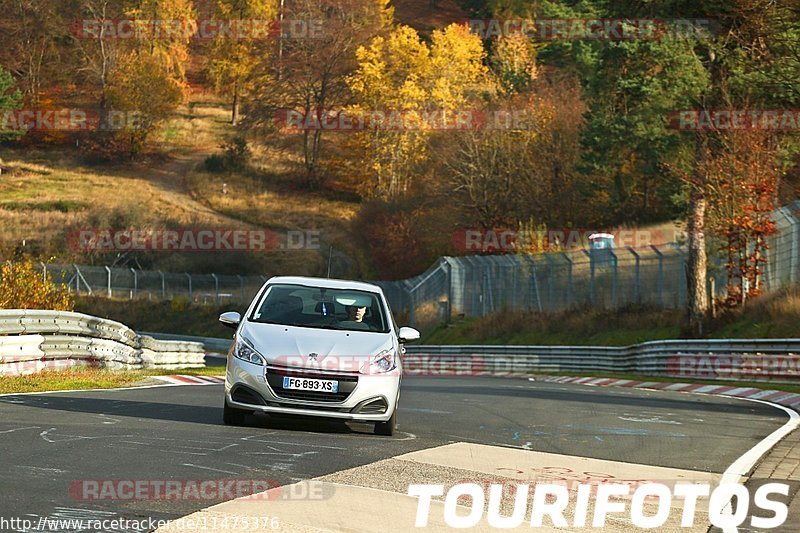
x=163 y=286
x=216 y=288
x=108 y=279
x=44 y=271
x=592 y=293
x=448 y=270
x=135 y=283
x=77 y=279
x=637 y=278
x=660 y=281
x=551 y=267
x=682 y=277
x=412 y=318
x=794 y=249
x=189 y=277
x=614 y=278
x=569 y=279
x=535 y=282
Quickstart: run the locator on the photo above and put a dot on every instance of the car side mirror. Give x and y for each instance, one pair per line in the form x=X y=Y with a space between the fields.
x=408 y=334
x=230 y=319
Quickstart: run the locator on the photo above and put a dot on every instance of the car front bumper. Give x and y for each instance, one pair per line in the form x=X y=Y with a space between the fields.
x=371 y=398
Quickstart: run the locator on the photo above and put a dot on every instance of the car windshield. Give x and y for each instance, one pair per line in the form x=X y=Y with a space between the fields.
x=321 y=307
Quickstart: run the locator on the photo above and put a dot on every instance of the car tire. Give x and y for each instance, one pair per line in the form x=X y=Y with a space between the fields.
x=232 y=416
x=387 y=428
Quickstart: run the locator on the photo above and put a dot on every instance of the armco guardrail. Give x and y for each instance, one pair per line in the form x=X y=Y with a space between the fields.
x=212 y=345
x=768 y=360
x=34 y=340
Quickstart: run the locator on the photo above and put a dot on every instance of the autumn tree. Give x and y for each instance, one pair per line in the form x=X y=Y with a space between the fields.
x=400 y=75
x=306 y=71
x=23 y=287
x=742 y=166
x=145 y=92
x=168 y=39
x=231 y=61
x=33 y=33
x=98 y=51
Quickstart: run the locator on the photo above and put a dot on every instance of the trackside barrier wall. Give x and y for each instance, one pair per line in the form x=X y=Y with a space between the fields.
x=35 y=340
x=768 y=360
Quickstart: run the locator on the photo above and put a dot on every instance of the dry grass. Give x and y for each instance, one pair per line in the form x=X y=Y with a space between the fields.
x=49 y=191
x=39 y=204
x=273 y=196
x=84 y=378
x=771 y=316
x=774 y=315
x=578 y=327
x=196 y=126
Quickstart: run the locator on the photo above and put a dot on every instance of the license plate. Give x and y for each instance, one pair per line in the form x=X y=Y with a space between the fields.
x=319 y=385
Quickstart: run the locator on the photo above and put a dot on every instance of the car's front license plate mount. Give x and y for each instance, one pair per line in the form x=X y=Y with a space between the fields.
x=311 y=384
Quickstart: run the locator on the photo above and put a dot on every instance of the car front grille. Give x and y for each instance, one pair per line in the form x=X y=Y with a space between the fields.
x=275 y=375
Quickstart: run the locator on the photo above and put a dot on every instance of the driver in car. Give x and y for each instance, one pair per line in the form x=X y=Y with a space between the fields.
x=355 y=317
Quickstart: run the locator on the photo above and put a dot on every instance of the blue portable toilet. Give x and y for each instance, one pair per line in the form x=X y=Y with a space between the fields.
x=601 y=241
x=601 y=250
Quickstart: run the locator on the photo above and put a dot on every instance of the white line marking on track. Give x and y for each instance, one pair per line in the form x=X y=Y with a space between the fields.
x=19 y=429
x=292 y=443
x=744 y=464
x=44 y=433
x=209 y=468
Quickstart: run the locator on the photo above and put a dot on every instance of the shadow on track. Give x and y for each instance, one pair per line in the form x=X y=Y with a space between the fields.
x=192 y=414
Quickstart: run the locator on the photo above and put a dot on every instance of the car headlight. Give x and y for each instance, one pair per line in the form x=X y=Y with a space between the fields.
x=383 y=362
x=244 y=350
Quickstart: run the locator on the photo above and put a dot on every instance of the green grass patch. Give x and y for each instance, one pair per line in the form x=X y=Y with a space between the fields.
x=62 y=206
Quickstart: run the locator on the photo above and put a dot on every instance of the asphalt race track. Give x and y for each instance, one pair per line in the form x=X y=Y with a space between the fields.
x=51 y=441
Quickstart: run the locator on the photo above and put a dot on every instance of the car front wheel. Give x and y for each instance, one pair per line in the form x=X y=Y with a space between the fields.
x=387 y=428
x=232 y=416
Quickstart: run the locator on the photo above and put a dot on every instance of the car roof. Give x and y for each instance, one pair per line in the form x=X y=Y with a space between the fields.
x=326 y=283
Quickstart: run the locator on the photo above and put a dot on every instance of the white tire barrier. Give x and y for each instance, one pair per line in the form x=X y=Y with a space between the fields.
x=36 y=340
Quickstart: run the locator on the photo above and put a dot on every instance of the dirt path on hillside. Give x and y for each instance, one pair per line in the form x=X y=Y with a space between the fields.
x=170 y=178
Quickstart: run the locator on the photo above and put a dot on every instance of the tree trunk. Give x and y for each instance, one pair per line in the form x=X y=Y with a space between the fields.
x=235 y=106
x=696 y=267
x=697 y=262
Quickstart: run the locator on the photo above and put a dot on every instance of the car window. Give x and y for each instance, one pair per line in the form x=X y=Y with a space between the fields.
x=319 y=307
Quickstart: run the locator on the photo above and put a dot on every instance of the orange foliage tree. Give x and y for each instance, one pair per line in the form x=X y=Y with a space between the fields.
x=744 y=177
x=22 y=287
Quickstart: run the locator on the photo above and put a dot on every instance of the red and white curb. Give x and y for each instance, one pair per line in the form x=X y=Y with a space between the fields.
x=192 y=380
x=788 y=399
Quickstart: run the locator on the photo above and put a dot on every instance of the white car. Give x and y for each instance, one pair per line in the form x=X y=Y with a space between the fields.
x=316 y=347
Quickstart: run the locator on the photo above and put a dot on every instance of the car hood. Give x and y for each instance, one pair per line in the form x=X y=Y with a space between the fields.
x=335 y=349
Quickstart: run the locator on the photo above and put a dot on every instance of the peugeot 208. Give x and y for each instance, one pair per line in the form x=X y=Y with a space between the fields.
x=316 y=347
